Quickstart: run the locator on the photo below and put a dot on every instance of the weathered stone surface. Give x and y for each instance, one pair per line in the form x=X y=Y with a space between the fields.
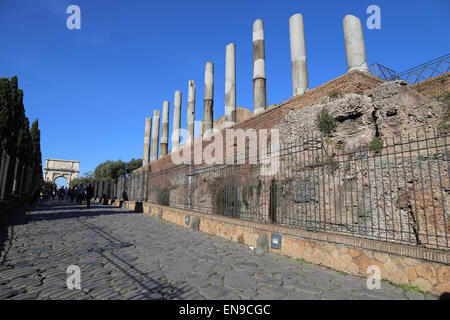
x=442 y=288
x=443 y=274
x=394 y=272
x=423 y=284
x=262 y=245
x=411 y=273
x=427 y=271
x=380 y=256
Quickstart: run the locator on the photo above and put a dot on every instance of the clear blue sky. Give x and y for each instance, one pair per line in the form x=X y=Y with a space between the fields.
x=92 y=88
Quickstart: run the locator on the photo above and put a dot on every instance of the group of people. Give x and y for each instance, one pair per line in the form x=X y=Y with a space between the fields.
x=79 y=193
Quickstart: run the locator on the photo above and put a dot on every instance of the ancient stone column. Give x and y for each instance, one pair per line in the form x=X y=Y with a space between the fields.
x=165 y=129
x=298 y=55
x=230 y=85
x=208 y=103
x=190 y=112
x=176 y=121
x=259 y=68
x=148 y=129
x=155 y=135
x=355 y=48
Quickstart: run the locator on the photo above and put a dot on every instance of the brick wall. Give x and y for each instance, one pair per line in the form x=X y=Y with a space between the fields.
x=434 y=87
x=354 y=82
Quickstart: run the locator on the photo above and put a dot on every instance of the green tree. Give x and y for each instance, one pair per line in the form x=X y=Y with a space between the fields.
x=36 y=156
x=5 y=116
x=133 y=164
x=85 y=180
x=110 y=170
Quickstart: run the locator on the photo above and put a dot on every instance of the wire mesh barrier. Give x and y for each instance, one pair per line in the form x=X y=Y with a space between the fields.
x=417 y=74
x=390 y=189
x=16 y=178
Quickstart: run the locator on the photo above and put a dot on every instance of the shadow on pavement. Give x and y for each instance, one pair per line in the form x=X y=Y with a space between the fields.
x=53 y=210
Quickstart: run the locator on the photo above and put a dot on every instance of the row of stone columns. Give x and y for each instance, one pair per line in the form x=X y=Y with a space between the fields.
x=356 y=61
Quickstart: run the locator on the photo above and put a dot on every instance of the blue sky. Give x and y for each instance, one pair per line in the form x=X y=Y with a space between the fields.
x=92 y=88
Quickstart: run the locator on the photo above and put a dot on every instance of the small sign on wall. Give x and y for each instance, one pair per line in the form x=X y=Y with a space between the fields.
x=275 y=241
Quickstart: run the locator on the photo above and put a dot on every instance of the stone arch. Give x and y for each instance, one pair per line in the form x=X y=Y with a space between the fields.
x=55 y=168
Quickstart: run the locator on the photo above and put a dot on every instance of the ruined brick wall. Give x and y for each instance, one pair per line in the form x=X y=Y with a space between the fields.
x=364 y=106
x=434 y=87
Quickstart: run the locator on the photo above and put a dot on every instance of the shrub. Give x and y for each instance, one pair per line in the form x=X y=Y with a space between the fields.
x=335 y=93
x=325 y=122
x=376 y=144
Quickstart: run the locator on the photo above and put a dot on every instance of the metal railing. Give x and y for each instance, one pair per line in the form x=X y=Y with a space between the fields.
x=417 y=74
x=395 y=190
x=16 y=178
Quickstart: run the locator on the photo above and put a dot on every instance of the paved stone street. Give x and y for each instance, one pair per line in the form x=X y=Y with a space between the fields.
x=125 y=255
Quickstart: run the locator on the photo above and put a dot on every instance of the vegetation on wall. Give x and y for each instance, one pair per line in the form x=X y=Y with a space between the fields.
x=325 y=121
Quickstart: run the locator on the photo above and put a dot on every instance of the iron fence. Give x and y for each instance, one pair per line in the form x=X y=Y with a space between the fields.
x=417 y=74
x=16 y=178
x=389 y=189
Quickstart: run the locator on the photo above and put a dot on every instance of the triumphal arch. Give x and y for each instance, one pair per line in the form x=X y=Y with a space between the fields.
x=56 y=168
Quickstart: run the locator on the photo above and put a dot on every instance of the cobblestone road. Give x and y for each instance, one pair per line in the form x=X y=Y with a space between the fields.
x=125 y=255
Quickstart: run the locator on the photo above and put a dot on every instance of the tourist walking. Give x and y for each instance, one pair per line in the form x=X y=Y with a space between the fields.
x=89 y=193
x=80 y=194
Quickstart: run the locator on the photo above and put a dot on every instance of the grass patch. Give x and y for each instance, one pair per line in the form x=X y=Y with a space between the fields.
x=302 y=260
x=410 y=287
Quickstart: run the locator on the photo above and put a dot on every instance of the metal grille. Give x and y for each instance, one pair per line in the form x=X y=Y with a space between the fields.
x=397 y=190
x=417 y=74
x=16 y=178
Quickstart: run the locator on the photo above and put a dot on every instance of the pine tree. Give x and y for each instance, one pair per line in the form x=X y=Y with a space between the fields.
x=36 y=156
x=17 y=113
x=5 y=115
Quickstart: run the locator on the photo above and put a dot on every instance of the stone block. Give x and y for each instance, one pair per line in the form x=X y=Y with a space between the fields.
x=262 y=244
x=195 y=223
x=411 y=273
x=426 y=270
x=443 y=274
x=423 y=284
